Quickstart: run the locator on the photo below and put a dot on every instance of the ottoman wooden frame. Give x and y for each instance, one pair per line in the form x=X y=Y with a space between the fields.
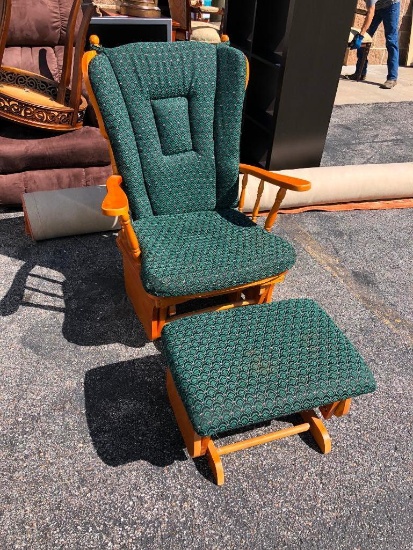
x=199 y=446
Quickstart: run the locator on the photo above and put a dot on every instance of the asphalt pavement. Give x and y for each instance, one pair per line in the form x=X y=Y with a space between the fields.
x=91 y=456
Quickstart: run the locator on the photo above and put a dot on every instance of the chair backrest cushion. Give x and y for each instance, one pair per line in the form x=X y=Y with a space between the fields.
x=172 y=112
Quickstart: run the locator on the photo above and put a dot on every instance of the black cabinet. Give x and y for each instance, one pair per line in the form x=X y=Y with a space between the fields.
x=295 y=49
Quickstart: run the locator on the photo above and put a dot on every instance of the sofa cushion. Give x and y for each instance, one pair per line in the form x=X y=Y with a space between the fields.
x=40 y=23
x=24 y=148
x=12 y=186
x=44 y=60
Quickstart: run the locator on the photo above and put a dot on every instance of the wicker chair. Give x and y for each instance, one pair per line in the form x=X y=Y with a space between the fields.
x=172 y=113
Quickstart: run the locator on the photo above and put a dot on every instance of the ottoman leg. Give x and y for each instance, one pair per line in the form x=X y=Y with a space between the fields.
x=343 y=407
x=338 y=408
x=215 y=463
x=196 y=445
x=318 y=430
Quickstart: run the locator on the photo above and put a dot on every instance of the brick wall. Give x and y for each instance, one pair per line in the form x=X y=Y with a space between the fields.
x=378 y=52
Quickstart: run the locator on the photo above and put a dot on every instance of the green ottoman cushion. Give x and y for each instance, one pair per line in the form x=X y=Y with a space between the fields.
x=252 y=364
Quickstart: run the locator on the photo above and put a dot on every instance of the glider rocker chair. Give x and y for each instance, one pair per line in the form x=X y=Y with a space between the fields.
x=172 y=114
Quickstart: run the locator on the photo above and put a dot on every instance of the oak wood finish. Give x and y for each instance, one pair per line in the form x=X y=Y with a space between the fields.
x=318 y=430
x=68 y=51
x=201 y=445
x=338 y=408
x=282 y=181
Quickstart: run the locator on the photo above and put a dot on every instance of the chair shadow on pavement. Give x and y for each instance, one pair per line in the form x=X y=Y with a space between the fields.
x=128 y=413
x=79 y=276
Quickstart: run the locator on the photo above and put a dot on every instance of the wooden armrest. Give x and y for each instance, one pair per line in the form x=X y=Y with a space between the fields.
x=286 y=182
x=116 y=202
x=282 y=181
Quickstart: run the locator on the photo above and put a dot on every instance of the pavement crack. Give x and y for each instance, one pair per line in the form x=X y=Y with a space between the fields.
x=385 y=313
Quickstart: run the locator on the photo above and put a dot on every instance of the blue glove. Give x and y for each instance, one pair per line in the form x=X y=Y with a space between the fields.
x=356 y=42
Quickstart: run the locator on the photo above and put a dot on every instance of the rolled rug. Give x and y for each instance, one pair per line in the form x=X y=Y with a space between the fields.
x=333 y=185
x=66 y=212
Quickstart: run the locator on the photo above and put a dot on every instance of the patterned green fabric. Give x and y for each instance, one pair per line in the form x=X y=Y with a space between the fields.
x=172 y=123
x=227 y=123
x=120 y=133
x=205 y=251
x=251 y=364
x=166 y=117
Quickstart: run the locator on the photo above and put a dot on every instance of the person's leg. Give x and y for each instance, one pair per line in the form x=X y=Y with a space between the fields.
x=391 y=27
x=377 y=19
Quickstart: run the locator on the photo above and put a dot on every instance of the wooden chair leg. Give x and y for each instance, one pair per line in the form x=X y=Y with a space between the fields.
x=266 y=295
x=343 y=407
x=338 y=408
x=215 y=463
x=328 y=410
x=196 y=445
x=318 y=430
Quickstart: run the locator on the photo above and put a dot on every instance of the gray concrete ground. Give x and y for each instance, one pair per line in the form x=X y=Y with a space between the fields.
x=91 y=456
x=369 y=91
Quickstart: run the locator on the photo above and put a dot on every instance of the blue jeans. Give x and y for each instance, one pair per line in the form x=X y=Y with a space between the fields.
x=390 y=18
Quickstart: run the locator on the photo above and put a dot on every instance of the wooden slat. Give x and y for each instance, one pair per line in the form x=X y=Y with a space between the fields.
x=261 y=439
x=77 y=60
x=241 y=201
x=68 y=52
x=5 y=11
x=272 y=216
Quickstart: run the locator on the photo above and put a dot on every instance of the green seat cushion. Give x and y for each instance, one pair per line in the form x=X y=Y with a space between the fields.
x=198 y=252
x=251 y=364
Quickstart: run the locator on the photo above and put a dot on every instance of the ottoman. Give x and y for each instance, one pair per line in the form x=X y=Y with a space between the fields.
x=232 y=369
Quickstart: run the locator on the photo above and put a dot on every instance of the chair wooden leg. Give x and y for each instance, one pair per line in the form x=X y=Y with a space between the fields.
x=328 y=410
x=215 y=463
x=196 y=445
x=149 y=314
x=343 y=407
x=338 y=408
x=266 y=294
x=318 y=430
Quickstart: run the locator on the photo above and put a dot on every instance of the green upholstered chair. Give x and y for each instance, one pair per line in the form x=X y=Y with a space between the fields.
x=172 y=114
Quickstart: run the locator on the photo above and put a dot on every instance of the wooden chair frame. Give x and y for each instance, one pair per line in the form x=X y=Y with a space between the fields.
x=199 y=446
x=34 y=100
x=154 y=311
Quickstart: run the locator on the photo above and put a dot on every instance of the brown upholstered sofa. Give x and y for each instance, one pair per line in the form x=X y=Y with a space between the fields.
x=33 y=159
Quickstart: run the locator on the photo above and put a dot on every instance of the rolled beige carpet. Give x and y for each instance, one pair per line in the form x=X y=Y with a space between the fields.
x=338 y=184
x=66 y=212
